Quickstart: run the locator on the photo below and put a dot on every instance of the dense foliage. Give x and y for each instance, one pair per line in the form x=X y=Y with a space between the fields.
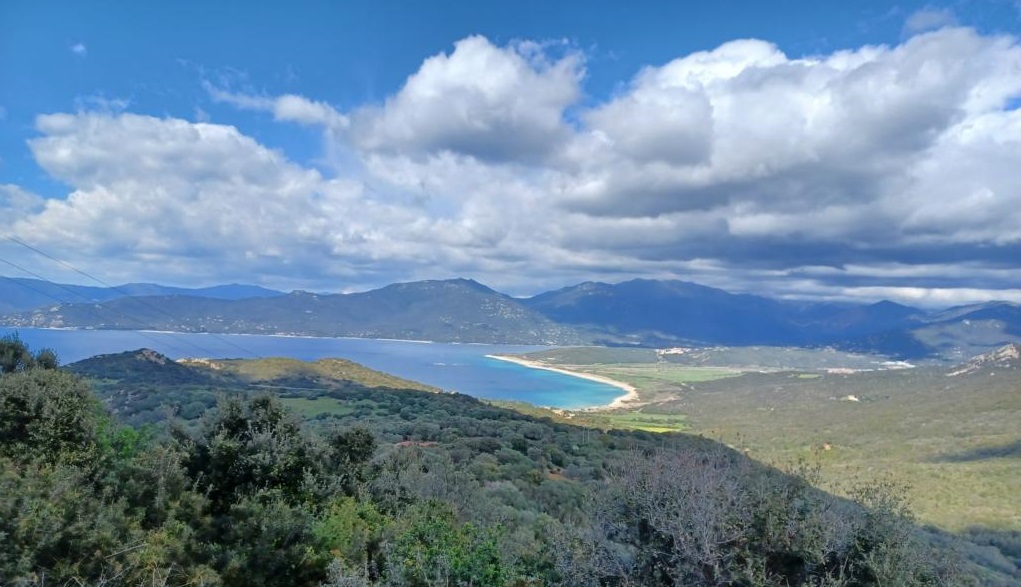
x=15 y=356
x=413 y=489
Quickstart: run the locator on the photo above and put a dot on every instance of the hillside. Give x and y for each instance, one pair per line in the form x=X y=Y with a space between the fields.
x=143 y=386
x=19 y=294
x=444 y=311
x=677 y=313
x=948 y=432
x=444 y=484
x=1006 y=359
x=651 y=311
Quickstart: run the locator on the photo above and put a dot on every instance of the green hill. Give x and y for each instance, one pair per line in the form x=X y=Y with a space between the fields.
x=948 y=432
x=384 y=487
x=144 y=386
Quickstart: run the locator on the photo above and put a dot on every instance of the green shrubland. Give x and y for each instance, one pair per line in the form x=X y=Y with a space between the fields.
x=414 y=488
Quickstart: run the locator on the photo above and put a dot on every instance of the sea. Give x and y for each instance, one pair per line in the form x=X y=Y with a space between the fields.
x=462 y=368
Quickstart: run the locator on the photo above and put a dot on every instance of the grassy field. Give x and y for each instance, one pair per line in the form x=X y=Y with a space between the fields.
x=918 y=429
x=634 y=420
x=954 y=442
x=286 y=372
x=657 y=381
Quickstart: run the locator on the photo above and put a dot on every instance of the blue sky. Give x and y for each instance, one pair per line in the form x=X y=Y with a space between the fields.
x=841 y=150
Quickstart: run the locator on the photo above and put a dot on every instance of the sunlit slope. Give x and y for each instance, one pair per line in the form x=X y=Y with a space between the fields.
x=951 y=434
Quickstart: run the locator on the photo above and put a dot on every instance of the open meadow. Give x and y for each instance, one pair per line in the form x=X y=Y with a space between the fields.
x=952 y=440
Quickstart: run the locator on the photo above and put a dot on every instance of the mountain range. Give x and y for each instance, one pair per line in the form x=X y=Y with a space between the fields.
x=641 y=313
x=18 y=294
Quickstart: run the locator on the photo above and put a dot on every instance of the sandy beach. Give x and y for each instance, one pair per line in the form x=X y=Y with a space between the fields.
x=630 y=395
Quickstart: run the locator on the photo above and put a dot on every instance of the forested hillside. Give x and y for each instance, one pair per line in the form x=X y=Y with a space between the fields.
x=405 y=487
x=455 y=310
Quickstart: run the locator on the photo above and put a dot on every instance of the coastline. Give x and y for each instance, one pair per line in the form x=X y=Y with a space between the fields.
x=630 y=392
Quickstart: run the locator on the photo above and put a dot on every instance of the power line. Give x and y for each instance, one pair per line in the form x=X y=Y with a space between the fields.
x=85 y=308
x=137 y=299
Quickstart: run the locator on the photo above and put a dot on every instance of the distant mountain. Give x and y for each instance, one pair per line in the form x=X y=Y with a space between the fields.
x=661 y=313
x=954 y=334
x=232 y=291
x=864 y=320
x=681 y=311
x=18 y=294
x=965 y=331
x=640 y=313
x=456 y=310
x=669 y=311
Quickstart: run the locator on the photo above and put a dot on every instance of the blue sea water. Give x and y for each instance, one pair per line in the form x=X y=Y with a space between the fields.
x=454 y=367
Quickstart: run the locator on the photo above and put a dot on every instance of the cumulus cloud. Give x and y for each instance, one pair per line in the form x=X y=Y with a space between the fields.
x=80 y=49
x=865 y=172
x=149 y=189
x=161 y=197
x=481 y=100
x=746 y=126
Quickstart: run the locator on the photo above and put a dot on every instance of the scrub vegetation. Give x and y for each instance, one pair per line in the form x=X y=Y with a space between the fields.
x=410 y=487
x=947 y=435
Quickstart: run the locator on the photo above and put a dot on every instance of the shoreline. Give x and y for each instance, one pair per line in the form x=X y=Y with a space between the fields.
x=630 y=392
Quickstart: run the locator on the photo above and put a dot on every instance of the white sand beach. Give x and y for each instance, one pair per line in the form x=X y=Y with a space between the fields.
x=630 y=395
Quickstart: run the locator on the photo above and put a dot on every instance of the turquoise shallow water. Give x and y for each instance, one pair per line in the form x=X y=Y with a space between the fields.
x=455 y=367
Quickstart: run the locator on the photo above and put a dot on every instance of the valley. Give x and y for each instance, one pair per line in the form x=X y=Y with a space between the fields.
x=478 y=458
x=925 y=422
x=948 y=434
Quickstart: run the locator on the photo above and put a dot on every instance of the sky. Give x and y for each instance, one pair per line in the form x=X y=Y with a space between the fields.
x=798 y=149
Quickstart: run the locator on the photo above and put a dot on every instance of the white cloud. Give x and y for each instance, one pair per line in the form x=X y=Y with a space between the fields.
x=745 y=124
x=150 y=189
x=480 y=100
x=732 y=166
x=297 y=109
x=163 y=198
x=80 y=49
x=16 y=202
x=288 y=108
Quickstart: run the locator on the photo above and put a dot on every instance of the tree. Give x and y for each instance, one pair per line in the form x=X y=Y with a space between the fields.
x=712 y=518
x=15 y=356
x=249 y=447
x=49 y=415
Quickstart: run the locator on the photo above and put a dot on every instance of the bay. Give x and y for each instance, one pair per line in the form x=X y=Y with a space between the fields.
x=463 y=368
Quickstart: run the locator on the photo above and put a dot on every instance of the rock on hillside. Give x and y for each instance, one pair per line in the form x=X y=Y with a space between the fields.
x=1005 y=357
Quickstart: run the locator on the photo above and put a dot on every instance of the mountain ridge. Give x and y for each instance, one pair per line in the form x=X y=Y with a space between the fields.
x=441 y=311
x=639 y=312
x=18 y=294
